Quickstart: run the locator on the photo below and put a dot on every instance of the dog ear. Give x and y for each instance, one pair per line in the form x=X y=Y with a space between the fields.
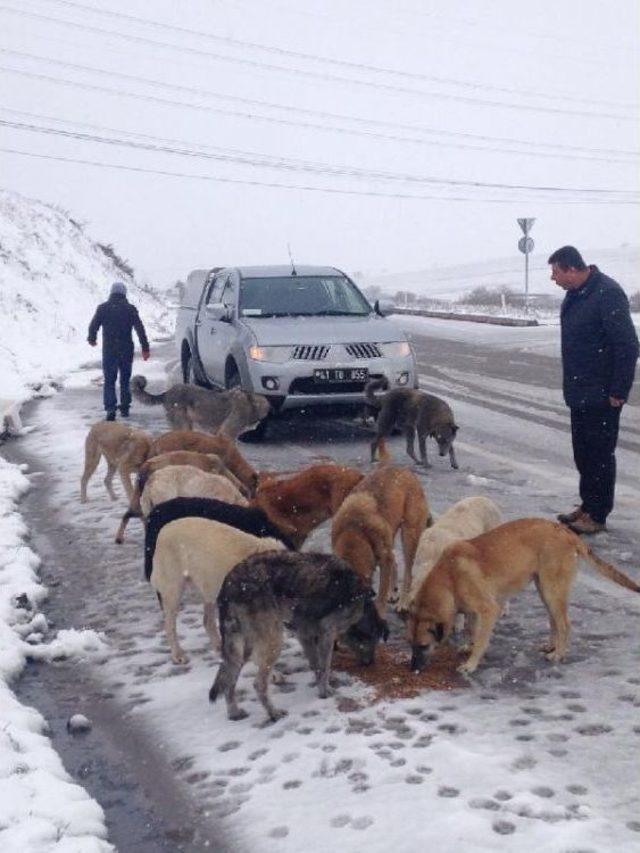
x=455 y=428
x=439 y=632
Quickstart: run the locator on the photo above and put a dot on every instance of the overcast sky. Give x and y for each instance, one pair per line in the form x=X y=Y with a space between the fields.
x=424 y=128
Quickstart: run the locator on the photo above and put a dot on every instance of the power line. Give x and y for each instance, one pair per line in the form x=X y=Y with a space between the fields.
x=575 y=152
x=306 y=188
x=342 y=63
x=334 y=78
x=319 y=169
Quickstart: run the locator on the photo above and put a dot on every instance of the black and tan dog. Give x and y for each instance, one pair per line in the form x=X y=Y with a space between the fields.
x=412 y=411
x=317 y=595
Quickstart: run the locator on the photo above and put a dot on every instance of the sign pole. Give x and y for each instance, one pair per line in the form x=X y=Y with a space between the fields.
x=526 y=245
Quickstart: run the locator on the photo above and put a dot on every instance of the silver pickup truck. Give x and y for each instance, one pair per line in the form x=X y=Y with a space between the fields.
x=301 y=337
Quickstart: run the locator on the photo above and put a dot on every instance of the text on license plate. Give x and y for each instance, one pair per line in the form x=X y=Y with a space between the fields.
x=341 y=374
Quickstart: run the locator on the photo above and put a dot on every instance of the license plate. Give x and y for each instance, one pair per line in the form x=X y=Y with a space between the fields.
x=341 y=374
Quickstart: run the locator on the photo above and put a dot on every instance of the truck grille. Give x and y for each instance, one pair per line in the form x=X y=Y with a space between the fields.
x=310 y=352
x=365 y=350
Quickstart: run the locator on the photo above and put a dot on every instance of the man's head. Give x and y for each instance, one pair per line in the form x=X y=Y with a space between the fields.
x=568 y=269
x=118 y=288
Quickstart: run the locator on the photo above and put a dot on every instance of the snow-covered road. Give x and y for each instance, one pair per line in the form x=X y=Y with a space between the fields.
x=526 y=757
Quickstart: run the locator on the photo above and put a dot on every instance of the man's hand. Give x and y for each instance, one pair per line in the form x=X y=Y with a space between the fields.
x=616 y=402
x=145 y=354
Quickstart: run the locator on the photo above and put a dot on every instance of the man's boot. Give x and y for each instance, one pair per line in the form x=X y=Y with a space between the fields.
x=111 y=416
x=570 y=517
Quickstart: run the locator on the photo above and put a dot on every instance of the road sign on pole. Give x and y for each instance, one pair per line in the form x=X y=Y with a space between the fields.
x=526 y=244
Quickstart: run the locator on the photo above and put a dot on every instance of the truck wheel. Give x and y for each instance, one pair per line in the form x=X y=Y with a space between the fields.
x=232 y=378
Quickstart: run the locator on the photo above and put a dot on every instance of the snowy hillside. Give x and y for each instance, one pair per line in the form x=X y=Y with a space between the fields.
x=52 y=277
x=623 y=264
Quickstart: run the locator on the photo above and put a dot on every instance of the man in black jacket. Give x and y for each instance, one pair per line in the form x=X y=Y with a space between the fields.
x=117 y=317
x=599 y=354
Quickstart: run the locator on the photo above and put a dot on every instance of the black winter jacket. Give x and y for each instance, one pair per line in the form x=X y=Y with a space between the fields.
x=599 y=343
x=117 y=318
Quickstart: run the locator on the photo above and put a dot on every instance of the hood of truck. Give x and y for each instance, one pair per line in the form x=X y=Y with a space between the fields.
x=274 y=331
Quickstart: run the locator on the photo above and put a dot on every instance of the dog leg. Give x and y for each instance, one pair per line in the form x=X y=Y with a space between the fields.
x=422 y=448
x=452 y=458
x=374 y=448
x=108 y=480
x=125 y=478
x=91 y=461
x=178 y=654
x=325 y=644
x=269 y=656
x=486 y=617
x=388 y=571
x=410 y=435
x=209 y=622
x=554 y=587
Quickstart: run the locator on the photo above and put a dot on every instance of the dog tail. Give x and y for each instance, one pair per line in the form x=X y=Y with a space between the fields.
x=606 y=569
x=138 y=386
x=381 y=384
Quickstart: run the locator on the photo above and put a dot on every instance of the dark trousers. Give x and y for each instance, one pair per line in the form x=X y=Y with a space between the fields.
x=594 y=432
x=112 y=365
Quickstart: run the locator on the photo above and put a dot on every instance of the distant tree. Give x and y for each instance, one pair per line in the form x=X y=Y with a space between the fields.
x=405 y=297
x=483 y=295
x=118 y=262
x=372 y=292
x=634 y=301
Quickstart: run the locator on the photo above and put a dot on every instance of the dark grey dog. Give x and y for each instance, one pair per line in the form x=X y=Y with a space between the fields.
x=191 y=407
x=318 y=596
x=413 y=411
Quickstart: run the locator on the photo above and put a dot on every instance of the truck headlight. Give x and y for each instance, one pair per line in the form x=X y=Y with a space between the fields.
x=396 y=349
x=274 y=355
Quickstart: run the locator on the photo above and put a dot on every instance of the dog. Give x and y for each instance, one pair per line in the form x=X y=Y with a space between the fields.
x=208 y=462
x=300 y=503
x=388 y=499
x=189 y=406
x=317 y=595
x=251 y=520
x=413 y=411
x=202 y=442
x=124 y=448
x=477 y=577
x=468 y=518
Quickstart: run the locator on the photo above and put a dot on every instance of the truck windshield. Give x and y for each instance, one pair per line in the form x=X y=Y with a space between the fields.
x=308 y=296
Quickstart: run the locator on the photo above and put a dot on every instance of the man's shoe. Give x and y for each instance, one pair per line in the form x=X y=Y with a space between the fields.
x=124 y=411
x=586 y=526
x=570 y=517
x=111 y=416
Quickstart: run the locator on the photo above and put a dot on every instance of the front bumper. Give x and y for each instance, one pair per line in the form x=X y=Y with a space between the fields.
x=297 y=387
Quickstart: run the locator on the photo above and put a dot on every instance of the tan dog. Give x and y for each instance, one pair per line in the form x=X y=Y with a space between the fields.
x=364 y=528
x=199 y=552
x=124 y=448
x=300 y=503
x=201 y=442
x=208 y=462
x=477 y=578
x=185 y=481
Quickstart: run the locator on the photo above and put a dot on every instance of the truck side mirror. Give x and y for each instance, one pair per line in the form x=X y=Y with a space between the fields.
x=384 y=307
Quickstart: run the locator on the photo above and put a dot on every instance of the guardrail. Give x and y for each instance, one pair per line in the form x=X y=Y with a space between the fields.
x=472 y=318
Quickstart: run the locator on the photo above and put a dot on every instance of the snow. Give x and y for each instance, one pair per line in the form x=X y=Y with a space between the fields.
x=52 y=278
x=41 y=807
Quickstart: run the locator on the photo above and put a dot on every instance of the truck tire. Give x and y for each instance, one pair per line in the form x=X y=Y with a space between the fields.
x=232 y=376
x=189 y=374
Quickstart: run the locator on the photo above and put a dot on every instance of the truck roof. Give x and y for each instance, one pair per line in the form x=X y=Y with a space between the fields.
x=278 y=271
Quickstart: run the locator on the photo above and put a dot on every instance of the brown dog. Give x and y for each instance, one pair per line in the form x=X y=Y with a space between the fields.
x=364 y=528
x=300 y=503
x=478 y=576
x=208 y=462
x=124 y=448
x=202 y=442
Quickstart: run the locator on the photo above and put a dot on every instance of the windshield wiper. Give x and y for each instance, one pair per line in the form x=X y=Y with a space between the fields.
x=334 y=313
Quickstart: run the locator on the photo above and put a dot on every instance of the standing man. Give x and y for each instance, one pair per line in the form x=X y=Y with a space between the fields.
x=599 y=354
x=117 y=317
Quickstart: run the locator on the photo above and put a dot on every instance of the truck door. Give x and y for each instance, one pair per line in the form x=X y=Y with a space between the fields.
x=208 y=339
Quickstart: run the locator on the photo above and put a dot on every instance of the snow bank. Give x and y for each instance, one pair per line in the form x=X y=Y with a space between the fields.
x=41 y=808
x=52 y=277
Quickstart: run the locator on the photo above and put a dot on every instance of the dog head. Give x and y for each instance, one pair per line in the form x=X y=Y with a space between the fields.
x=444 y=435
x=424 y=632
x=363 y=636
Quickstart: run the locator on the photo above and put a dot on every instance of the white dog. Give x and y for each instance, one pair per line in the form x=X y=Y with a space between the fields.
x=468 y=518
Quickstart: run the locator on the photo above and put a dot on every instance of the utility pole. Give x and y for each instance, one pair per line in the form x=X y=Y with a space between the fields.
x=526 y=245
